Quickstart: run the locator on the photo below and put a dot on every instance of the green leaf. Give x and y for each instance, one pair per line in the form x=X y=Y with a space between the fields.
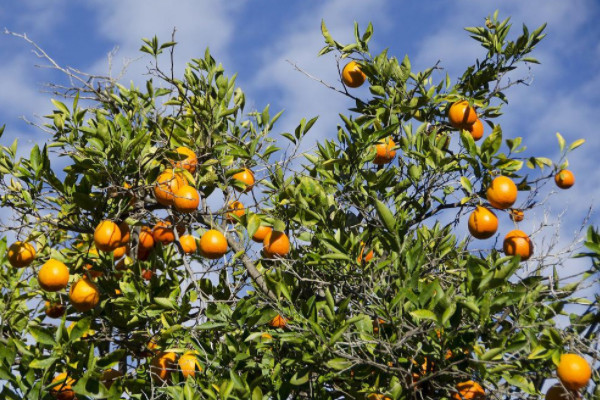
x=165 y=302
x=339 y=364
x=300 y=377
x=253 y=224
x=44 y=363
x=576 y=144
x=492 y=353
x=561 y=141
x=386 y=215
x=42 y=335
x=424 y=314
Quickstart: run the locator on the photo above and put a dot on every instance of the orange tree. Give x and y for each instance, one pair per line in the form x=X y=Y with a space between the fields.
x=146 y=205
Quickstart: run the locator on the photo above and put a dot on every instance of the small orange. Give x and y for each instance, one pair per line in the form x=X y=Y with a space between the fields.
x=64 y=389
x=476 y=130
x=482 y=223
x=502 y=192
x=352 y=75
x=278 y=322
x=517 y=243
x=469 y=390
x=107 y=236
x=145 y=239
x=235 y=208
x=385 y=151
x=213 y=244
x=261 y=233
x=564 y=179
x=366 y=258
x=109 y=377
x=188 y=363
x=21 y=254
x=186 y=199
x=120 y=252
x=188 y=244
x=54 y=310
x=558 y=392
x=147 y=274
x=161 y=366
x=573 y=371
x=276 y=244
x=516 y=214
x=53 y=276
x=246 y=177
x=378 y=396
x=189 y=162
x=461 y=115
x=163 y=232
x=84 y=295
x=166 y=185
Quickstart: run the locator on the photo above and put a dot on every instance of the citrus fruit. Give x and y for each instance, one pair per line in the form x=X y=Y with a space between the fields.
x=278 y=322
x=573 y=371
x=502 y=192
x=84 y=295
x=235 y=208
x=461 y=115
x=163 y=232
x=516 y=214
x=213 y=244
x=145 y=238
x=54 y=310
x=385 y=151
x=186 y=199
x=482 y=223
x=21 y=254
x=162 y=365
x=558 y=392
x=189 y=162
x=63 y=387
x=469 y=390
x=352 y=75
x=368 y=257
x=517 y=243
x=120 y=252
x=188 y=244
x=276 y=244
x=109 y=377
x=261 y=233
x=246 y=177
x=125 y=233
x=107 y=236
x=378 y=396
x=166 y=185
x=476 y=130
x=564 y=179
x=147 y=274
x=188 y=363
x=53 y=276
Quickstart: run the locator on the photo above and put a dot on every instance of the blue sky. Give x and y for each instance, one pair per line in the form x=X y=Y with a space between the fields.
x=255 y=38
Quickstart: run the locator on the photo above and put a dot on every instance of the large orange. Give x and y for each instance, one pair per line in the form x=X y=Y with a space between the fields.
x=476 y=130
x=558 y=392
x=564 y=179
x=246 y=177
x=84 y=295
x=189 y=162
x=469 y=390
x=54 y=310
x=109 y=377
x=163 y=232
x=186 y=199
x=107 y=236
x=188 y=244
x=53 y=276
x=235 y=208
x=482 y=223
x=213 y=244
x=385 y=151
x=166 y=185
x=352 y=75
x=162 y=365
x=461 y=115
x=21 y=254
x=278 y=322
x=573 y=371
x=64 y=389
x=502 y=192
x=276 y=244
x=517 y=243
x=261 y=233
x=188 y=364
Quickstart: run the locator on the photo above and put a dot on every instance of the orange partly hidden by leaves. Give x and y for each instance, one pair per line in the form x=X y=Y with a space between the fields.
x=21 y=254
x=162 y=365
x=163 y=232
x=517 y=243
x=186 y=199
x=188 y=244
x=53 y=276
x=476 y=130
x=276 y=244
x=461 y=115
x=246 y=177
x=261 y=233
x=125 y=233
x=278 y=322
x=564 y=179
x=188 y=364
x=166 y=185
x=469 y=390
x=107 y=236
x=235 y=208
x=378 y=396
x=119 y=252
x=190 y=162
x=64 y=389
x=573 y=371
x=368 y=257
x=54 y=310
x=516 y=214
x=502 y=192
x=558 y=392
x=482 y=223
x=84 y=295
x=213 y=244
x=352 y=75
x=385 y=151
x=109 y=377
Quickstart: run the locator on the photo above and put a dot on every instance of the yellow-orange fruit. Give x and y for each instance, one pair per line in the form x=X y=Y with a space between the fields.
x=482 y=223
x=213 y=244
x=188 y=364
x=189 y=162
x=385 y=151
x=188 y=244
x=461 y=115
x=166 y=185
x=517 y=243
x=186 y=199
x=502 y=192
x=64 y=389
x=53 y=276
x=107 y=236
x=573 y=371
x=235 y=208
x=21 y=254
x=84 y=295
x=162 y=365
x=276 y=244
x=352 y=75
x=261 y=233
x=278 y=322
x=246 y=177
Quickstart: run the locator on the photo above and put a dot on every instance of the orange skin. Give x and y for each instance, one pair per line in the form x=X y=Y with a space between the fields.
x=147 y=274
x=573 y=371
x=235 y=208
x=63 y=390
x=120 y=252
x=261 y=233
x=84 y=295
x=188 y=244
x=276 y=244
x=517 y=243
x=366 y=258
x=352 y=75
x=146 y=240
x=55 y=310
x=278 y=322
x=213 y=244
x=476 y=130
x=188 y=363
x=385 y=151
x=163 y=232
x=469 y=390
x=564 y=179
x=186 y=199
x=21 y=254
x=190 y=162
x=461 y=115
x=247 y=178
x=166 y=185
x=161 y=366
x=516 y=215
x=107 y=236
x=53 y=276
x=502 y=192
x=483 y=223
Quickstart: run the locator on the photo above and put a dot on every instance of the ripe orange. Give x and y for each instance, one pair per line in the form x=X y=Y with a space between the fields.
x=147 y=274
x=188 y=363
x=163 y=232
x=92 y=254
x=162 y=365
x=186 y=199
x=476 y=130
x=21 y=254
x=84 y=295
x=482 y=223
x=278 y=322
x=517 y=243
x=352 y=75
x=235 y=208
x=166 y=185
x=188 y=244
x=109 y=377
x=558 y=392
x=469 y=390
x=385 y=151
x=461 y=115
x=107 y=236
x=64 y=389
x=378 y=396
x=502 y=192
x=213 y=244
x=564 y=179
x=366 y=258
x=53 y=276
x=246 y=177
x=120 y=252
x=54 y=310
x=261 y=233
x=189 y=162
x=276 y=244
x=145 y=239
x=573 y=371
x=516 y=214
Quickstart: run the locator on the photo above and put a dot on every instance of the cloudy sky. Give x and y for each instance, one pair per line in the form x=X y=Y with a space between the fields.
x=257 y=38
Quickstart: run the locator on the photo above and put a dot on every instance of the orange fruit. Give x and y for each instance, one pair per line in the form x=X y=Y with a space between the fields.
x=564 y=179
x=64 y=389
x=246 y=177
x=162 y=365
x=476 y=130
x=469 y=390
x=461 y=115
x=147 y=274
x=163 y=232
x=107 y=236
x=145 y=238
x=188 y=244
x=385 y=151
x=54 y=310
x=378 y=396
x=558 y=392
x=278 y=322
x=516 y=214
x=189 y=162
x=213 y=244
x=188 y=363
x=120 y=252
x=482 y=223
x=84 y=295
x=235 y=208
x=53 y=276
x=366 y=258
x=186 y=199
x=517 y=243
x=276 y=244
x=261 y=233
x=502 y=192
x=573 y=371
x=352 y=75
x=109 y=377
x=93 y=255
x=166 y=185
x=125 y=233
x=21 y=254
x=376 y=324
